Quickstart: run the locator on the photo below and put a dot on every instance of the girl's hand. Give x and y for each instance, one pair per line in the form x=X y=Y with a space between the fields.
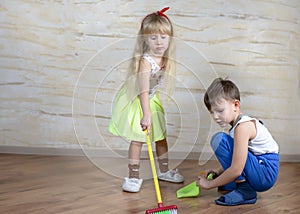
x=146 y=123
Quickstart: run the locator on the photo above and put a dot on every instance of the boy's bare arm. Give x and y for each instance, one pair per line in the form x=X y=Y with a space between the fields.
x=242 y=134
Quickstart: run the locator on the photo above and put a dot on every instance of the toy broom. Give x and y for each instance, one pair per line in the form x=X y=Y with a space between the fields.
x=161 y=209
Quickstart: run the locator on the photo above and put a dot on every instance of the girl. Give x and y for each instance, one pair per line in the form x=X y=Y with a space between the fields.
x=249 y=155
x=138 y=106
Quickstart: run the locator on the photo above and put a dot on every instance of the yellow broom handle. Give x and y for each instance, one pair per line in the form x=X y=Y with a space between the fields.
x=156 y=185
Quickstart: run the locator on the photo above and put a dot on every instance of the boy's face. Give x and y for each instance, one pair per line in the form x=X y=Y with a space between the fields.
x=158 y=43
x=224 y=111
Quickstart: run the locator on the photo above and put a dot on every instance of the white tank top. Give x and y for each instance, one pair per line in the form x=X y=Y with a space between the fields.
x=263 y=142
x=156 y=76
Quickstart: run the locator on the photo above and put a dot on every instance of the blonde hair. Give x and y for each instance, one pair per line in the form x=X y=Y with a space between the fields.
x=155 y=23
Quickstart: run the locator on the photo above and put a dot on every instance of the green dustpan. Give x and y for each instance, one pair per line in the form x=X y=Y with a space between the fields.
x=191 y=190
x=188 y=191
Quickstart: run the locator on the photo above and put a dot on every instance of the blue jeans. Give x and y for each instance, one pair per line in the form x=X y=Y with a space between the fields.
x=261 y=171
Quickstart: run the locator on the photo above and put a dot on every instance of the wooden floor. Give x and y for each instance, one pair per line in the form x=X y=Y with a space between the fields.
x=73 y=185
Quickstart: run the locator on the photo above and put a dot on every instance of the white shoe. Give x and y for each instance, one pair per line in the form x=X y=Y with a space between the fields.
x=132 y=184
x=171 y=176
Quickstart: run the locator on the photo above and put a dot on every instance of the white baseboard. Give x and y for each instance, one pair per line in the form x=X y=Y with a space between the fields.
x=107 y=153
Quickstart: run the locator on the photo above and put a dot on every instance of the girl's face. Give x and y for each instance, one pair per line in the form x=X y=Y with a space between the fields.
x=224 y=112
x=158 y=43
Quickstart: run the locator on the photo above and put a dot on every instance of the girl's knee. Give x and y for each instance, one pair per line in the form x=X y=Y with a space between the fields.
x=136 y=144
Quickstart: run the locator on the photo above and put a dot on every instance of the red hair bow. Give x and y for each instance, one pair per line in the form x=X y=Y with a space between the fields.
x=160 y=13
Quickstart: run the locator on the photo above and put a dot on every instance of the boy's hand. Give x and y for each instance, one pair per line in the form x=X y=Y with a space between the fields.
x=204 y=178
x=203 y=182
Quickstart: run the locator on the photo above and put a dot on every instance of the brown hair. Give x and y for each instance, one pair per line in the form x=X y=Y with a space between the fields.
x=220 y=89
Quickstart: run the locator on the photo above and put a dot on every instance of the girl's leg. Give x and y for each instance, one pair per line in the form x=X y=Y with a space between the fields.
x=134 y=155
x=162 y=155
x=133 y=183
x=163 y=160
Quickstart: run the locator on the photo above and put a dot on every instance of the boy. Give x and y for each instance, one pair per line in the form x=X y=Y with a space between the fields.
x=249 y=156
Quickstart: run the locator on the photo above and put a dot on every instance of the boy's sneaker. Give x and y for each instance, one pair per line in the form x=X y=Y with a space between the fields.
x=171 y=176
x=132 y=184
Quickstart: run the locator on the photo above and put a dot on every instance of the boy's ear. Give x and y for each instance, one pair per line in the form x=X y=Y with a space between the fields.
x=237 y=104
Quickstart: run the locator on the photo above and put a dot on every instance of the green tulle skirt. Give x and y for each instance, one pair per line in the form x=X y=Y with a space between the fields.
x=127 y=115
